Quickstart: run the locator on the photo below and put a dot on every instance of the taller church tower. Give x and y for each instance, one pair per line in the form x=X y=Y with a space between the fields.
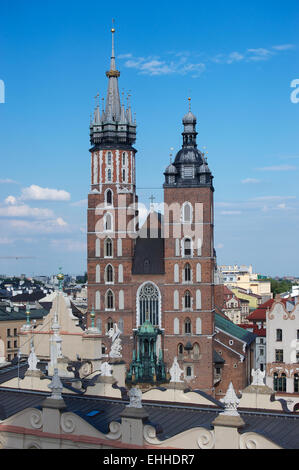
x=112 y=204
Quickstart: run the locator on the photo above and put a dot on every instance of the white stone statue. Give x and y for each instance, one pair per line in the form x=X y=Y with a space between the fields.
x=116 y=347
x=175 y=371
x=257 y=377
x=106 y=369
x=231 y=402
x=32 y=359
x=56 y=386
x=135 y=396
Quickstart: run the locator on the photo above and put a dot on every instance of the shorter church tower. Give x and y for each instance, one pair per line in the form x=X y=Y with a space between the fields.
x=189 y=261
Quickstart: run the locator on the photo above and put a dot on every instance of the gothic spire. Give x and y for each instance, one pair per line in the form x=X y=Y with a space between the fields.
x=113 y=108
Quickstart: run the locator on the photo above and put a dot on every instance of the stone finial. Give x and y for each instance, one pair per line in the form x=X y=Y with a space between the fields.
x=175 y=371
x=231 y=402
x=257 y=377
x=135 y=396
x=106 y=370
x=56 y=386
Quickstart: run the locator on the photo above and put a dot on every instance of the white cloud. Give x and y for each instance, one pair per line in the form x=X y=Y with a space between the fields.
x=250 y=181
x=230 y=212
x=7 y=181
x=284 y=47
x=68 y=244
x=278 y=168
x=219 y=246
x=11 y=200
x=24 y=210
x=81 y=203
x=272 y=198
x=6 y=241
x=37 y=193
x=155 y=66
x=39 y=226
x=259 y=54
x=234 y=57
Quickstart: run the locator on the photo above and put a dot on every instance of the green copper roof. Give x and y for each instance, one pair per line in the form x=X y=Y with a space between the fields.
x=234 y=330
x=147 y=327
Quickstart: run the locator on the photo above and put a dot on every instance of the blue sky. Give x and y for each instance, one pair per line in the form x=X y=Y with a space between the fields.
x=235 y=59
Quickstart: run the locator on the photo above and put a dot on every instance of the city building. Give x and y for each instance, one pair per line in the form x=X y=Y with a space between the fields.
x=282 y=369
x=244 y=278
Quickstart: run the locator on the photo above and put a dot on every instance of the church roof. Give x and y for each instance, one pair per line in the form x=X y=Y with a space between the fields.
x=229 y=327
x=169 y=419
x=149 y=246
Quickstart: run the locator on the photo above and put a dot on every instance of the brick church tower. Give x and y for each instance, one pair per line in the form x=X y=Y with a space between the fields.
x=156 y=283
x=190 y=260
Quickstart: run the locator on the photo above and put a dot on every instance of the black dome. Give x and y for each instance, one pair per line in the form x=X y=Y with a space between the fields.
x=189 y=155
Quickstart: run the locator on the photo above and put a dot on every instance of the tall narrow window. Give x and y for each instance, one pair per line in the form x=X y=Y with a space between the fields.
x=296 y=383
x=187 y=326
x=108 y=221
x=278 y=335
x=187 y=273
x=108 y=248
x=188 y=371
x=109 y=197
x=187 y=247
x=109 y=274
x=278 y=355
x=124 y=175
x=124 y=158
x=187 y=213
x=109 y=324
x=109 y=300
x=187 y=300
x=180 y=350
x=109 y=175
x=109 y=158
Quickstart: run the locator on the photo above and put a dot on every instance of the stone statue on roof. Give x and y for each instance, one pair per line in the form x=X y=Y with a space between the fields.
x=116 y=347
x=257 y=377
x=175 y=371
x=135 y=396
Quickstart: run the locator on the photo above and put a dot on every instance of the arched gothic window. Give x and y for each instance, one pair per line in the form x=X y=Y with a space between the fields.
x=148 y=300
x=109 y=197
x=187 y=273
x=109 y=324
x=109 y=300
x=187 y=247
x=180 y=349
x=109 y=175
x=187 y=213
x=196 y=351
x=109 y=158
x=108 y=221
x=108 y=248
x=187 y=326
x=124 y=158
x=187 y=299
x=109 y=275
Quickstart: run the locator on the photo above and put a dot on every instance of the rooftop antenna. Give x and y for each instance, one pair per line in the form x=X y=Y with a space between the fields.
x=189 y=99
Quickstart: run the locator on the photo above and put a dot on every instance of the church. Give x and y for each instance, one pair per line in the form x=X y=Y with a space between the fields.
x=157 y=282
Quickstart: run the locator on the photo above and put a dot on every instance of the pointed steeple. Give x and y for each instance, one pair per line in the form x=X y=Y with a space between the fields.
x=113 y=101
x=114 y=124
